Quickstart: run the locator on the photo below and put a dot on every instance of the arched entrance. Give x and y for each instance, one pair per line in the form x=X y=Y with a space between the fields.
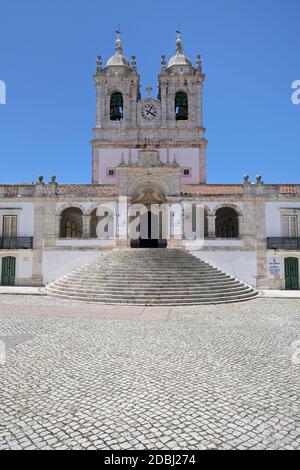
x=151 y=218
x=8 y=271
x=291 y=273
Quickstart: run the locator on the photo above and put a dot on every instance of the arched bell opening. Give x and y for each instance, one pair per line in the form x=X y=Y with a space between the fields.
x=116 y=106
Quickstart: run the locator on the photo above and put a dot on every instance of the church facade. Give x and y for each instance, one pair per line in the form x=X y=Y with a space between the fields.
x=149 y=189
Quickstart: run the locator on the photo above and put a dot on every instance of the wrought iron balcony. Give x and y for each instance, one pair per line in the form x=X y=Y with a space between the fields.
x=16 y=243
x=283 y=243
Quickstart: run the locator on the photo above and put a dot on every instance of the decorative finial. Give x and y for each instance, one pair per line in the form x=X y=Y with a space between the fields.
x=179 y=48
x=149 y=91
x=168 y=157
x=246 y=179
x=258 y=179
x=163 y=60
x=53 y=180
x=122 y=162
x=99 y=64
x=133 y=62
x=198 y=63
x=40 y=179
x=175 y=164
x=119 y=49
x=129 y=158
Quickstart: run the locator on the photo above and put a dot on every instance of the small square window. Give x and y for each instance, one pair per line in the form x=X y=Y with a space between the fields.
x=110 y=172
x=186 y=172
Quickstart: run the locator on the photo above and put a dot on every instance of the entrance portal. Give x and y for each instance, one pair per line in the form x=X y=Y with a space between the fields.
x=291 y=271
x=8 y=272
x=150 y=232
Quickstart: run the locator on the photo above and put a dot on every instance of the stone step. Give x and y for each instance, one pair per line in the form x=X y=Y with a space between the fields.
x=145 y=285
x=167 y=302
x=156 y=274
x=150 y=277
x=151 y=291
x=138 y=296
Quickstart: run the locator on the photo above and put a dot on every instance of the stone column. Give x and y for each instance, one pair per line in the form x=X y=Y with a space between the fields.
x=163 y=106
x=122 y=223
x=211 y=226
x=57 y=225
x=86 y=226
x=241 y=226
x=261 y=244
x=38 y=244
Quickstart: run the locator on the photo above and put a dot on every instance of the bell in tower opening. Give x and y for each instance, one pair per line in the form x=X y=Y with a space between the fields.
x=181 y=106
x=116 y=107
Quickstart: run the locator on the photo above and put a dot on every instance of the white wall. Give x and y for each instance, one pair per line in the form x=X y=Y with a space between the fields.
x=186 y=157
x=23 y=264
x=238 y=264
x=25 y=216
x=58 y=263
x=85 y=242
x=273 y=216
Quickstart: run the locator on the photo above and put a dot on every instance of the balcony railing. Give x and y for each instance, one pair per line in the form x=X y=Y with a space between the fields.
x=283 y=243
x=16 y=243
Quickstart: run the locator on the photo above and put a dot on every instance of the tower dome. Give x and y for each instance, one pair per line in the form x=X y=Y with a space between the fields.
x=118 y=58
x=179 y=58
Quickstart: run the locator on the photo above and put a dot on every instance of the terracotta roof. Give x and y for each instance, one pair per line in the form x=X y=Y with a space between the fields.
x=86 y=190
x=11 y=190
x=288 y=189
x=211 y=189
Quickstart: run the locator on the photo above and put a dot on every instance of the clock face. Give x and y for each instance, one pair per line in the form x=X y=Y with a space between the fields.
x=149 y=112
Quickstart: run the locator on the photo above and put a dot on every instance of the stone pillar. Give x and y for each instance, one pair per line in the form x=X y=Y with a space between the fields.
x=241 y=226
x=122 y=223
x=211 y=226
x=98 y=105
x=163 y=106
x=38 y=244
x=57 y=225
x=261 y=244
x=202 y=161
x=86 y=226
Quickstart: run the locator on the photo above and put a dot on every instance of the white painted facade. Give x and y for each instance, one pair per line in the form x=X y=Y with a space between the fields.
x=250 y=230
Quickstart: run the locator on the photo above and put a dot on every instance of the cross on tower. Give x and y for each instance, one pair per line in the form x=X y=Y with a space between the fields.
x=149 y=90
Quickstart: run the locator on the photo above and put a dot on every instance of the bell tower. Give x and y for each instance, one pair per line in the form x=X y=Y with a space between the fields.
x=180 y=93
x=170 y=122
x=117 y=93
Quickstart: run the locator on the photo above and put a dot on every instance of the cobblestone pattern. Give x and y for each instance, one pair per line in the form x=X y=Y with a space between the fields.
x=217 y=377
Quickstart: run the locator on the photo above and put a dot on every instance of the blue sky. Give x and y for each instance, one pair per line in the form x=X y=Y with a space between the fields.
x=250 y=54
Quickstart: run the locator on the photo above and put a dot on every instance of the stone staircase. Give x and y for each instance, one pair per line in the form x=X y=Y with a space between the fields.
x=150 y=277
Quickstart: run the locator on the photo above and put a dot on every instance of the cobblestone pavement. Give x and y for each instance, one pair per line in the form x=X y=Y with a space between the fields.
x=87 y=376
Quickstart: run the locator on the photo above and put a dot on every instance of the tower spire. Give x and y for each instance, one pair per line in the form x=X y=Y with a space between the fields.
x=119 y=48
x=179 y=48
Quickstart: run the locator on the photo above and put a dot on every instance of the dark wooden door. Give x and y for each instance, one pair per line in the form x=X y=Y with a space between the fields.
x=8 y=275
x=291 y=270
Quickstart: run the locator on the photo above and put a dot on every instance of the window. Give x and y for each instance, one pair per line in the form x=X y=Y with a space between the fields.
x=186 y=172
x=227 y=225
x=116 y=107
x=290 y=226
x=181 y=106
x=110 y=172
x=71 y=225
x=9 y=226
